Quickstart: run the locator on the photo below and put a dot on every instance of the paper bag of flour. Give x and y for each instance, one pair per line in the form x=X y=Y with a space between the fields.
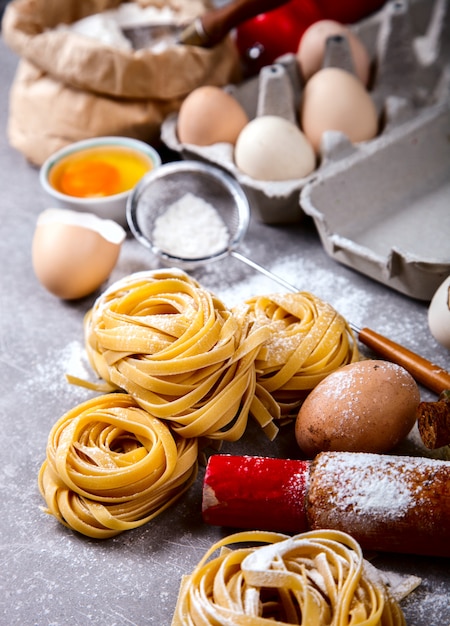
x=78 y=75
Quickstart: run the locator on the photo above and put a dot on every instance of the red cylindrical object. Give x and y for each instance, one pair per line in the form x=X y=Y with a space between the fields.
x=256 y=493
x=387 y=503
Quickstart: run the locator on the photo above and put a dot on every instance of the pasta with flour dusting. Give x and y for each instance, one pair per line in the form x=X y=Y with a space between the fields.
x=186 y=358
x=309 y=339
x=111 y=467
x=316 y=578
x=178 y=351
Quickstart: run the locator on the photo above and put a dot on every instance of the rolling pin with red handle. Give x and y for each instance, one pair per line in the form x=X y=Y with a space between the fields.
x=387 y=503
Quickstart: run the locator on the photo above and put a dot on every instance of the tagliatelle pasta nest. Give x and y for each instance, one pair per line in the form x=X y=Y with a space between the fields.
x=309 y=339
x=186 y=358
x=316 y=578
x=191 y=369
x=110 y=467
x=177 y=350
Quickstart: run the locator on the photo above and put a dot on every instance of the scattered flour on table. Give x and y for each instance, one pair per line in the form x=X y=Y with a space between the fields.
x=190 y=228
x=49 y=374
x=354 y=301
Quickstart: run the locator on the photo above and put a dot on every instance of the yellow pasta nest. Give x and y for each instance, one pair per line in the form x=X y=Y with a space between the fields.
x=317 y=578
x=187 y=359
x=308 y=340
x=111 y=467
x=177 y=350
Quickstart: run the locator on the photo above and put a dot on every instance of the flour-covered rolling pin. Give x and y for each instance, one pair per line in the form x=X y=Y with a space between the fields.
x=387 y=503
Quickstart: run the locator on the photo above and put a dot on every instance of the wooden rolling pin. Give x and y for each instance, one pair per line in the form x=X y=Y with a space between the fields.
x=387 y=503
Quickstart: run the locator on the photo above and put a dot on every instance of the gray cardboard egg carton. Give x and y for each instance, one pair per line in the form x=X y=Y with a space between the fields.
x=381 y=206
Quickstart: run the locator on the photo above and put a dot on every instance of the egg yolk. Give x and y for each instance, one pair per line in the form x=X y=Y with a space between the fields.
x=99 y=172
x=89 y=180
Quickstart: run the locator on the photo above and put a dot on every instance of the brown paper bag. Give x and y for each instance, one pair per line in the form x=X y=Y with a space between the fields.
x=70 y=87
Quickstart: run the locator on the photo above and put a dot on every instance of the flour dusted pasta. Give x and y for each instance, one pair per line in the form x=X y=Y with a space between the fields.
x=186 y=358
x=308 y=340
x=111 y=467
x=177 y=350
x=316 y=578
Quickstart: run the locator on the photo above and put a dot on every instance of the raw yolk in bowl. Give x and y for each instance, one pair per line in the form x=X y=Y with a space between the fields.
x=100 y=171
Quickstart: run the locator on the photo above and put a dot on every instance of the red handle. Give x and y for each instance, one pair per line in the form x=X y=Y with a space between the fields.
x=256 y=492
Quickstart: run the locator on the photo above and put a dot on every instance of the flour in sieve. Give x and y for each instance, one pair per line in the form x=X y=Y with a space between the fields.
x=190 y=228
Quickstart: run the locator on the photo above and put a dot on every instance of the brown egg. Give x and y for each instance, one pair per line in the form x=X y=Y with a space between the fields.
x=312 y=47
x=73 y=253
x=210 y=115
x=334 y=99
x=367 y=406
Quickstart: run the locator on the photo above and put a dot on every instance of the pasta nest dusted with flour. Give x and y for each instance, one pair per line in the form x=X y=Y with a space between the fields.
x=318 y=577
x=308 y=340
x=177 y=350
x=110 y=467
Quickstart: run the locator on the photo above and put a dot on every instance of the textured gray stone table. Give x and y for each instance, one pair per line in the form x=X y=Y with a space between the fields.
x=51 y=576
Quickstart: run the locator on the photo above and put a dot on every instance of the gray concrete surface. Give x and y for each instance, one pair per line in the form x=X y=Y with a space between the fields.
x=51 y=576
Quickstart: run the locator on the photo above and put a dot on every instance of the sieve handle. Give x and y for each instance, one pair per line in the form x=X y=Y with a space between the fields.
x=263 y=270
x=426 y=373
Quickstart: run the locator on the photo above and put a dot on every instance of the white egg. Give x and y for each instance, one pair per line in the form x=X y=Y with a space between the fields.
x=73 y=252
x=439 y=314
x=272 y=148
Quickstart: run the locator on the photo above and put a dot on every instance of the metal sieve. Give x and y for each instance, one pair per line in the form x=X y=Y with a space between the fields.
x=161 y=187
x=164 y=185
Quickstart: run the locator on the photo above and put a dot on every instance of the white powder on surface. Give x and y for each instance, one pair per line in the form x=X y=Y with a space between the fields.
x=50 y=374
x=367 y=485
x=190 y=228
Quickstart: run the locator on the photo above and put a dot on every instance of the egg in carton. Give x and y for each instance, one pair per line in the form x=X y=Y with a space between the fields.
x=384 y=207
x=409 y=47
x=408 y=73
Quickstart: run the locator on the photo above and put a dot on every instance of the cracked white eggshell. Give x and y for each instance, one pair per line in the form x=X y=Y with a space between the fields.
x=73 y=253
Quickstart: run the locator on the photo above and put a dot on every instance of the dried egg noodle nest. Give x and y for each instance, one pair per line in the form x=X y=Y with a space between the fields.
x=178 y=351
x=316 y=578
x=308 y=341
x=111 y=467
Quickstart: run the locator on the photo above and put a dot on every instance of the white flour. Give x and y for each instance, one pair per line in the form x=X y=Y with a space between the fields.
x=190 y=228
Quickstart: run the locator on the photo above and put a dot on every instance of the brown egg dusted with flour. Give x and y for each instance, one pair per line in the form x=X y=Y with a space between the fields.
x=367 y=406
x=210 y=115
